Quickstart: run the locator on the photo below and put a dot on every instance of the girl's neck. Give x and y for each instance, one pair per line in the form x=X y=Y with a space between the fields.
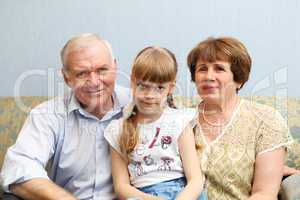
x=148 y=118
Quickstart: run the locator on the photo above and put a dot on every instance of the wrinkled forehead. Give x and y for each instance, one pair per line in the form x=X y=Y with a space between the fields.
x=85 y=45
x=95 y=53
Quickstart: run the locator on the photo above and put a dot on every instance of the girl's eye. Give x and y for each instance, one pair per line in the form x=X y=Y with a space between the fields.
x=141 y=86
x=161 y=88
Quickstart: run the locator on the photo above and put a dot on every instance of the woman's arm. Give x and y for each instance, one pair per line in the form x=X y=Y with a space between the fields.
x=267 y=175
x=122 y=185
x=191 y=166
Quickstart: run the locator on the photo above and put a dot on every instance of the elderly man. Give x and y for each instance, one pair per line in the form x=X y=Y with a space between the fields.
x=68 y=130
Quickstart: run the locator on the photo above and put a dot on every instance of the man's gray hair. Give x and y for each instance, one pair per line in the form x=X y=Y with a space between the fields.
x=76 y=43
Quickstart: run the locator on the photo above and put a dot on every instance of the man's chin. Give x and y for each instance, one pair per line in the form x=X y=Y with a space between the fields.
x=94 y=101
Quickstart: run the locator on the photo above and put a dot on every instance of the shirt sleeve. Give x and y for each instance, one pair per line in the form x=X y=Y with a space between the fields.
x=27 y=158
x=112 y=134
x=272 y=133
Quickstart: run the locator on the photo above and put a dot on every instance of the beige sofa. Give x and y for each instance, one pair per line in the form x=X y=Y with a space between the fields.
x=13 y=112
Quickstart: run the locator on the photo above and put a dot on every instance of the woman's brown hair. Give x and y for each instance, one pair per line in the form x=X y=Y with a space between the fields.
x=222 y=49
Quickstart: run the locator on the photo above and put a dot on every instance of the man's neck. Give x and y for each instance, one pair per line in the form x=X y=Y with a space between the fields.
x=101 y=111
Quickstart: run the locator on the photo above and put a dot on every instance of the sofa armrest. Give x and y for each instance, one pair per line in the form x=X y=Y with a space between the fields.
x=290 y=189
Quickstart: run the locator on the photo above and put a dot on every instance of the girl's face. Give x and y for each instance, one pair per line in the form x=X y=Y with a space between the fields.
x=214 y=81
x=149 y=97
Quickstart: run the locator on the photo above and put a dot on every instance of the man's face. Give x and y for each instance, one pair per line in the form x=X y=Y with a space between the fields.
x=91 y=73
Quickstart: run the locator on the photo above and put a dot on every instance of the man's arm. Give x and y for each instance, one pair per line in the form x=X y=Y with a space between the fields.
x=40 y=189
x=23 y=171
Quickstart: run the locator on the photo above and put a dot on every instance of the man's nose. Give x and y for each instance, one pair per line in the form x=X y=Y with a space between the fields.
x=94 y=78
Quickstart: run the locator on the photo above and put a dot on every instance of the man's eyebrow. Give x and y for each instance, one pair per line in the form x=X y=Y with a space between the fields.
x=79 y=70
x=105 y=65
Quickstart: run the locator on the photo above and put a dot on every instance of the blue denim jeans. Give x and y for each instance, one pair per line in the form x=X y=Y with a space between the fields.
x=168 y=189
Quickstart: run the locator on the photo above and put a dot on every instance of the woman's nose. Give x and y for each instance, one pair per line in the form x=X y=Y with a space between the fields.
x=210 y=74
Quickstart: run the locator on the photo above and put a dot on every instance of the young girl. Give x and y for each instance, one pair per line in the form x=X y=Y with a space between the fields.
x=152 y=149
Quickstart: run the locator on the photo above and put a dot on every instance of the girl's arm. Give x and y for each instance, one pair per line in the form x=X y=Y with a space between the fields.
x=191 y=166
x=267 y=175
x=121 y=181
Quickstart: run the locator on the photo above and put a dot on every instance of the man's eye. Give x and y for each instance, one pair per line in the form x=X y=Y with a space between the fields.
x=102 y=70
x=81 y=74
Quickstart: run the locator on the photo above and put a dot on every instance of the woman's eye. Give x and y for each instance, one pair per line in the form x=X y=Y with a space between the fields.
x=201 y=69
x=220 y=68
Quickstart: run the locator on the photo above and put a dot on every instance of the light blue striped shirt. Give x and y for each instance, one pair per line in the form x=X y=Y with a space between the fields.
x=61 y=131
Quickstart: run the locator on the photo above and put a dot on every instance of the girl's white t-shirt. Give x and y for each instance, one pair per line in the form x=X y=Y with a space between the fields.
x=156 y=157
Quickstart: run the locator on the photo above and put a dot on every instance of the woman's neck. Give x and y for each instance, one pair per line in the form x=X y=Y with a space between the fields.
x=218 y=113
x=222 y=106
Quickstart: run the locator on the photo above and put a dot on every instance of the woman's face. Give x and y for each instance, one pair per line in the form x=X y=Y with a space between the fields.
x=214 y=81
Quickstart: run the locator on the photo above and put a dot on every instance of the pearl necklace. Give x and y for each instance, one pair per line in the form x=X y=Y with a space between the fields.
x=216 y=124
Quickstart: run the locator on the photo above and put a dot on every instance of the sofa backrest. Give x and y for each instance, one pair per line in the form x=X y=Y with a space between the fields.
x=13 y=112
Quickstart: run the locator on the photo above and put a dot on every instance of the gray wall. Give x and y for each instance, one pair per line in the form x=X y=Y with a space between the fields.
x=33 y=32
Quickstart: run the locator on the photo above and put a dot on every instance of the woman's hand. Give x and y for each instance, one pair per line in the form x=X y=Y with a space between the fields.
x=287 y=171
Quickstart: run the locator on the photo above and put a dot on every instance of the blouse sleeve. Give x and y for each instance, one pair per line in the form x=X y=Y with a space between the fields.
x=272 y=133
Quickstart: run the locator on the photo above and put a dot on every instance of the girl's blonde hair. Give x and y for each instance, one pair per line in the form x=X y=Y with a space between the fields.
x=154 y=64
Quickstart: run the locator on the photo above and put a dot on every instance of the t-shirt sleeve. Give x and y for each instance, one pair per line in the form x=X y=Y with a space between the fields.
x=112 y=134
x=185 y=116
x=272 y=133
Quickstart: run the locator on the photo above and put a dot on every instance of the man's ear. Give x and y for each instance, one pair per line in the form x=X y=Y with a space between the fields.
x=115 y=63
x=66 y=77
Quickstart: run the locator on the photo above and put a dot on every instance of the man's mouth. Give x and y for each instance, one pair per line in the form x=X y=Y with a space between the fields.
x=93 y=91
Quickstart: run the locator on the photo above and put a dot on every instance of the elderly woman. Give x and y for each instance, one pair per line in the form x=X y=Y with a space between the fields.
x=241 y=144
